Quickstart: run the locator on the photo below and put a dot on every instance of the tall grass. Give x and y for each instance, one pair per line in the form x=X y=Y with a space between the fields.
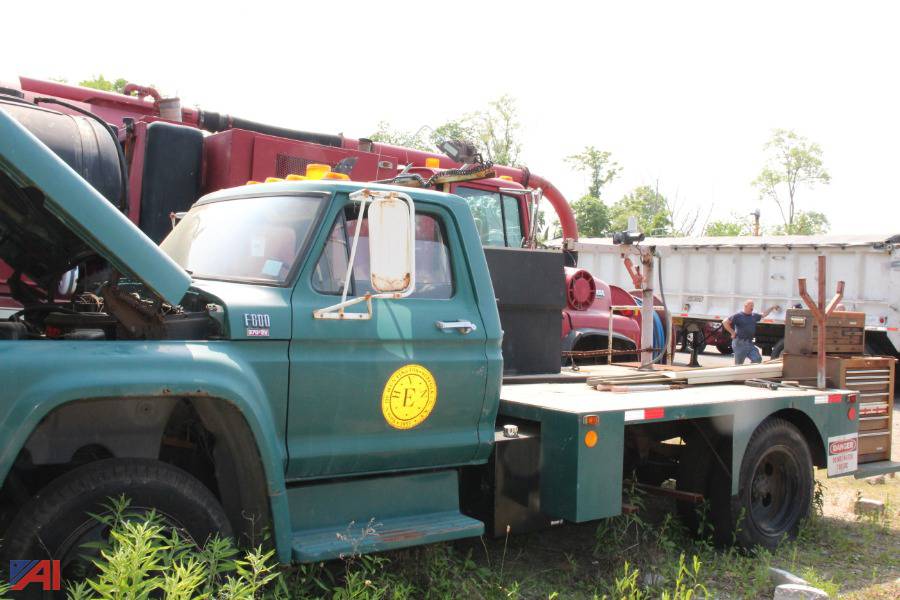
x=634 y=557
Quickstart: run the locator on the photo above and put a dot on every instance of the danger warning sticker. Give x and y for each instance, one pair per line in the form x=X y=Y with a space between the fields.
x=843 y=451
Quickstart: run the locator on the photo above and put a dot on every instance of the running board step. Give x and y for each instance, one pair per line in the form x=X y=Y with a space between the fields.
x=389 y=534
x=353 y=516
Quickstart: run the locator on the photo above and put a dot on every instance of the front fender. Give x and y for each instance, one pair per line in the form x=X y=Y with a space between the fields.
x=569 y=341
x=41 y=375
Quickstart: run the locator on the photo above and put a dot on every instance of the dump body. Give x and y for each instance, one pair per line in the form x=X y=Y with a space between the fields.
x=708 y=279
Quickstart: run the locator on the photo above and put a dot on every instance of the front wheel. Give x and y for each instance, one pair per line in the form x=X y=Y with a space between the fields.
x=57 y=522
x=776 y=486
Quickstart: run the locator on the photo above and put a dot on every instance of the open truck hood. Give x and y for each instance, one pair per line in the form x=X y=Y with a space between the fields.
x=51 y=220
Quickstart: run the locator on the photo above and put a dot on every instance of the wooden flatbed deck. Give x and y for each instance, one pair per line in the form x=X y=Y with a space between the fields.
x=578 y=397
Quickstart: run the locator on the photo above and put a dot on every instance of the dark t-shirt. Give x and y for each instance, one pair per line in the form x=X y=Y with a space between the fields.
x=745 y=325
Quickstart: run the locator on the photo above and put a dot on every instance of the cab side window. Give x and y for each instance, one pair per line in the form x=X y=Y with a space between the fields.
x=434 y=277
x=512 y=222
x=496 y=216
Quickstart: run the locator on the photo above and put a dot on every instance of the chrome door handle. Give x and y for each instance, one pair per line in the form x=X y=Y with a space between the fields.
x=463 y=327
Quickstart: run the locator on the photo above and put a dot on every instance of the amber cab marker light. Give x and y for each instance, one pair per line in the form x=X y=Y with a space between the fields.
x=590 y=439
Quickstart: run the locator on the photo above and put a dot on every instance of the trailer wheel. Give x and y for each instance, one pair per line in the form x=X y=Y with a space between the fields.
x=695 y=339
x=776 y=486
x=56 y=523
x=777 y=349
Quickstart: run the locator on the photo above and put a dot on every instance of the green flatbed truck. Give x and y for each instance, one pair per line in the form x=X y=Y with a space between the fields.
x=323 y=360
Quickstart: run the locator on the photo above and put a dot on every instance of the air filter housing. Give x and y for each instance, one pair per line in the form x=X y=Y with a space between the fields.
x=581 y=289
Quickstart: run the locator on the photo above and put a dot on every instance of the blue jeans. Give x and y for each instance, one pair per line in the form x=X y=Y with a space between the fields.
x=745 y=349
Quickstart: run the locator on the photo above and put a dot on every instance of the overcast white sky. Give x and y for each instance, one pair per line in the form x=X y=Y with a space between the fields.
x=685 y=93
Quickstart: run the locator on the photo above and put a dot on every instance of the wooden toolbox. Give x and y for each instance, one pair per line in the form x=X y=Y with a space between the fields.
x=873 y=378
x=844 y=333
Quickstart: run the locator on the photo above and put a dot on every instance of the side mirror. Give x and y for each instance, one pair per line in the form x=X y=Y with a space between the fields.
x=392 y=252
x=392 y=245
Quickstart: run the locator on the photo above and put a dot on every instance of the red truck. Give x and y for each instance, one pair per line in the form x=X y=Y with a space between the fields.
x=153 y=158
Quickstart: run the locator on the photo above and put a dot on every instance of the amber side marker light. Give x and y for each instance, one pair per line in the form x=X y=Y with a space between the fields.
x=590 y=439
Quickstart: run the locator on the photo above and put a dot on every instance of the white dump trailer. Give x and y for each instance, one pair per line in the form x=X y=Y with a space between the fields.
x=705 y=279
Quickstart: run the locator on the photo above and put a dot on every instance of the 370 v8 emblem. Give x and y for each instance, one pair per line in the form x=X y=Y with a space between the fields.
x=257 y=324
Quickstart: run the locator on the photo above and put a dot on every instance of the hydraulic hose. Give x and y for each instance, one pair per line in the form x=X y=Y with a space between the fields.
x=667 y=329
x=215 y=122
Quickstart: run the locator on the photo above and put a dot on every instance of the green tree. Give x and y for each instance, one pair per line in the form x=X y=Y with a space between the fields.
x=591 y=215
x=498 y=131
x=453 y=130
x=732 y=227
x=495 y=132
x=647 y=206
x=805 y=223
x=599 y=166
x=386 y=134
x=101 y=83
x=793 y=162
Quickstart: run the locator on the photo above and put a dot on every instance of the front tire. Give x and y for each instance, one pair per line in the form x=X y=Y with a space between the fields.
x=55 y=523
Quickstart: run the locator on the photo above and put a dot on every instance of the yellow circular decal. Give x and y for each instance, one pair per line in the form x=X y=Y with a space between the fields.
x=408 y=397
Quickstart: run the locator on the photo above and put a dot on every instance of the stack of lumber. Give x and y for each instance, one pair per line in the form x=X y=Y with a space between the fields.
x=769 y=370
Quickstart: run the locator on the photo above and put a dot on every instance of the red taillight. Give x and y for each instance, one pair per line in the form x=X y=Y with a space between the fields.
x=851 y=414
x=851 y=398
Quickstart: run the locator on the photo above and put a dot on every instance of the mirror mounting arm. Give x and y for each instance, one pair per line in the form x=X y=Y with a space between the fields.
x=369 y=198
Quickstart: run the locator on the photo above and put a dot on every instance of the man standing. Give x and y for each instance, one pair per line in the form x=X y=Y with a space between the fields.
x=742 y=327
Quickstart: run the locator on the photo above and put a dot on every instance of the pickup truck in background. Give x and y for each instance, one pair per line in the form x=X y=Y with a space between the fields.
x=312 y=357
x=706 y=279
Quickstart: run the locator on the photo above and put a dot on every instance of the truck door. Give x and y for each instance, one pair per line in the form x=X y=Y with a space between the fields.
x=403 y=390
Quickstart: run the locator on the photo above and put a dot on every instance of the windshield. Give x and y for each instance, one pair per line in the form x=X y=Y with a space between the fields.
x=246 y=239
